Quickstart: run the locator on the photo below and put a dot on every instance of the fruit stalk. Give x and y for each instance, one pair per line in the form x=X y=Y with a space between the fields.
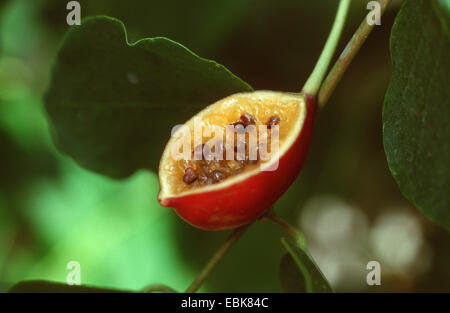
x=235 y=235
x=295 y=233
x=346 y=57
x=314 y=81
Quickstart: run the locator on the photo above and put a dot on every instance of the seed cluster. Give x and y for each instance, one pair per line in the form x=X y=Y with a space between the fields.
x=206 y=172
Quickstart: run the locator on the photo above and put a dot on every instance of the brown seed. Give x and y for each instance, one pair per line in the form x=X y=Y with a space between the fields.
x=217 y=176
x=248 y=119
x=234 y=165
x=189 y=176
x=239 y=127
x=238 y=123
x=237 y=171
x=202 y=179
x=205 y=168
x=273 y=120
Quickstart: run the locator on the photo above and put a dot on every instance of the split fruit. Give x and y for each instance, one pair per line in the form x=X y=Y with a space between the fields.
x=215 y=193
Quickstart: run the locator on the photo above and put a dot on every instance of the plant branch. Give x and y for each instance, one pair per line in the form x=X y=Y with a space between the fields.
x=346 y=57
x=314 y=81
x=235 y=235
x=295 y=233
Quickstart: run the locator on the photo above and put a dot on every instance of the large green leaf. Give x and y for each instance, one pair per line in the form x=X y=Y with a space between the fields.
x=416 y=113
x=112 y=104
x=182 y=21
x=443 y=11
x=299 y=272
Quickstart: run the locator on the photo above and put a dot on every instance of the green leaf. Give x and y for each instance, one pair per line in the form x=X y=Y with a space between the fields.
x=290 y=276
x=299 y=272
x=443 y=11
x=113 y=104
x=42 y=286
x=159 y=288
x=416 y=113
x=183 y=21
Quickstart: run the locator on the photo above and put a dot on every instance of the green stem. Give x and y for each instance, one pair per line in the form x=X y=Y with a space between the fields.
x=314 y=81
x=295 y=233
x=346 y=57
x=235 y=235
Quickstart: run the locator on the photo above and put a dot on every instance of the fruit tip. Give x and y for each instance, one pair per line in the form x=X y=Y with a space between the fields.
x=164 y=202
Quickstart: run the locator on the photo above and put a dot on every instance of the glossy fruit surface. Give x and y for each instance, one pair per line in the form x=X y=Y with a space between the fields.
x=243 y=197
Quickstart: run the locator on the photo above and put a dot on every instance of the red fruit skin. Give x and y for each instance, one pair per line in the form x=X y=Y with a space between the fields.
x=245 y=201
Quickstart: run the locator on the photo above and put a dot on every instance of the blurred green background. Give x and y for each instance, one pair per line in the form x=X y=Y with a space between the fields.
x=52 y=211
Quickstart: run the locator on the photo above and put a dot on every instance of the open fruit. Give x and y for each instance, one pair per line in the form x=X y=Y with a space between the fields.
x=213 y=193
